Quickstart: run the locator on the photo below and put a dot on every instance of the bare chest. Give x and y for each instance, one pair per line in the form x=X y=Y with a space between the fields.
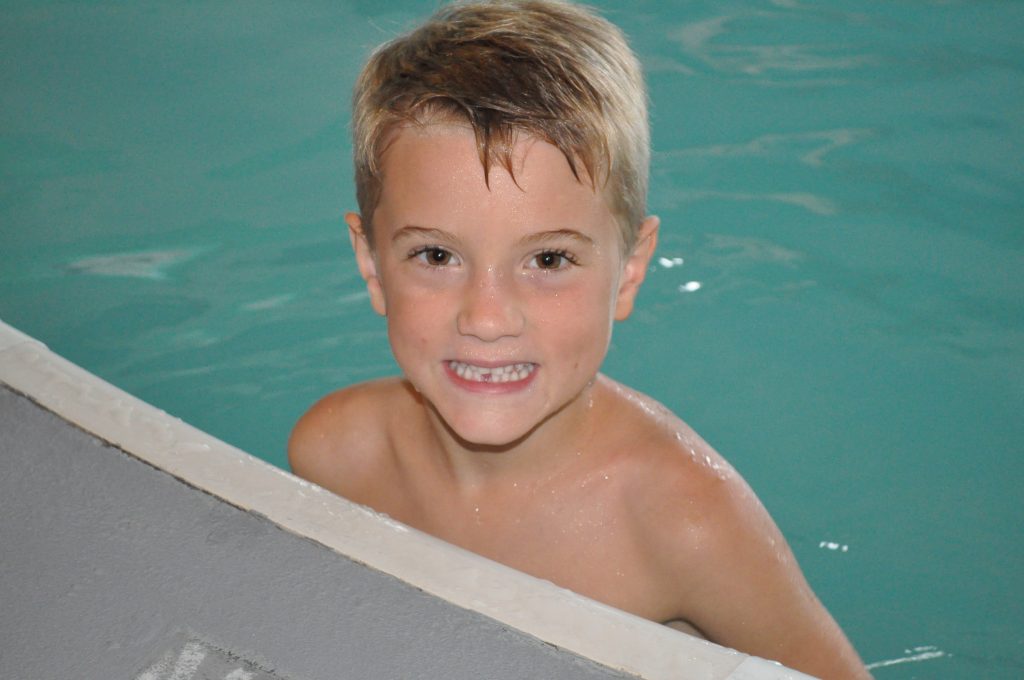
x=585 y=542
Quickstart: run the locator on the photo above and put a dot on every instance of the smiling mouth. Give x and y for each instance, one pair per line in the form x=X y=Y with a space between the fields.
x=498 y=374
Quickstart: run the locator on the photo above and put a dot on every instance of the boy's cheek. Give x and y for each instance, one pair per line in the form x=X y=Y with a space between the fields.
x=412 y=302
x=587 y=312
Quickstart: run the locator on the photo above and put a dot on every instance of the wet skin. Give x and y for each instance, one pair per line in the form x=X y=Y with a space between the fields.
x=503 y=438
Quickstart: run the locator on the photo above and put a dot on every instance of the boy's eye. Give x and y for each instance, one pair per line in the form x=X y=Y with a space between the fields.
x=552 y=259
x=434 y=256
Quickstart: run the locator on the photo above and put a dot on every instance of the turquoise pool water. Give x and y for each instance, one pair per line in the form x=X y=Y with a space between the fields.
x=837 y=302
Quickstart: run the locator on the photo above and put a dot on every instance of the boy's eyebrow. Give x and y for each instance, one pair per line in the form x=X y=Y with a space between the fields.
x=556 y=234
x=440 y=235
x=411 y=230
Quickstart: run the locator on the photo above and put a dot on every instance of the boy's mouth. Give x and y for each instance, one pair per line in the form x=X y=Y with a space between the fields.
x=496 y=374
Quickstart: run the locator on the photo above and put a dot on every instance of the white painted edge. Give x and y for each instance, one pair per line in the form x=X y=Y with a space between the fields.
x=538 y=608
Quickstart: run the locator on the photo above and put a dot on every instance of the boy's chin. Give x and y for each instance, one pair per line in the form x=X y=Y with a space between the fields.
x=486 y=434
x=491 y=440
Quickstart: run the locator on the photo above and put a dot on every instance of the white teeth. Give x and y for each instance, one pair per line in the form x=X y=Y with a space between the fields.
x=500 y=374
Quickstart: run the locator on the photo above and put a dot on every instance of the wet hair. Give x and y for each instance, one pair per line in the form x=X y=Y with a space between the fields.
x=543 y=68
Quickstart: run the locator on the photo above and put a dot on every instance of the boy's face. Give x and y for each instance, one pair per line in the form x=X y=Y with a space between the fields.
x=499 y=300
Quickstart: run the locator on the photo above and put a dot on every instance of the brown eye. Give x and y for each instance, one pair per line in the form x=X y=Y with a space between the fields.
x=551 y=259
x=437 y=257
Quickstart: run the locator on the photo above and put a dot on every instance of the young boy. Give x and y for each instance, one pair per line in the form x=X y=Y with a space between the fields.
x=501 y=155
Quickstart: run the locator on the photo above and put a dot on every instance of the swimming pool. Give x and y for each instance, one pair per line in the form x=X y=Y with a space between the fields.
x=836 y=303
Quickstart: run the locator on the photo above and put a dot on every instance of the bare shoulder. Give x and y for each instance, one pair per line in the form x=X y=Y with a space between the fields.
x=343 y=438
x=716 y=552
x=673 y=474
x=666 y=455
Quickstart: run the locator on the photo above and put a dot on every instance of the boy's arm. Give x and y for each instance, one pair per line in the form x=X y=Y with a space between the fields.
x=744 y=588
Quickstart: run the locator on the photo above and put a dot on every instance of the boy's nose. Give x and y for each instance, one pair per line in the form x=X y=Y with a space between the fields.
x=490 y=308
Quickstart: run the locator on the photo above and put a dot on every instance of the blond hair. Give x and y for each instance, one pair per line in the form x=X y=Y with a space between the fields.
x=546 y=68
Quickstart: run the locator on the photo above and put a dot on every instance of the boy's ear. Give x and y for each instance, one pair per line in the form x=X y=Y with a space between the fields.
x=635 y=267
x=366 y=261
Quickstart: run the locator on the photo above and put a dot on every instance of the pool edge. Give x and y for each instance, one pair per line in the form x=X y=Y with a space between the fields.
x=538 y=608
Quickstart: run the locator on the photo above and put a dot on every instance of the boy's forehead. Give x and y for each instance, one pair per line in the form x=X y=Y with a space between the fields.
x=440 y=163
x=432 y=176
x=448 y=137
x=438 y=152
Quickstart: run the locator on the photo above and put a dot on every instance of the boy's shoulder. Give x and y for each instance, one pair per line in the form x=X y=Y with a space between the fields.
x=342 y=441
x=713 y=545
x=663 y=453
x=686 y=501
x=674 y=479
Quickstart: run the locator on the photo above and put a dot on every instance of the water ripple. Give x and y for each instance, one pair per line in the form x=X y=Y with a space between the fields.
x=820 y=143
x=141 y=265
x=910 y=656
x=702 y=39
x=808 y=201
